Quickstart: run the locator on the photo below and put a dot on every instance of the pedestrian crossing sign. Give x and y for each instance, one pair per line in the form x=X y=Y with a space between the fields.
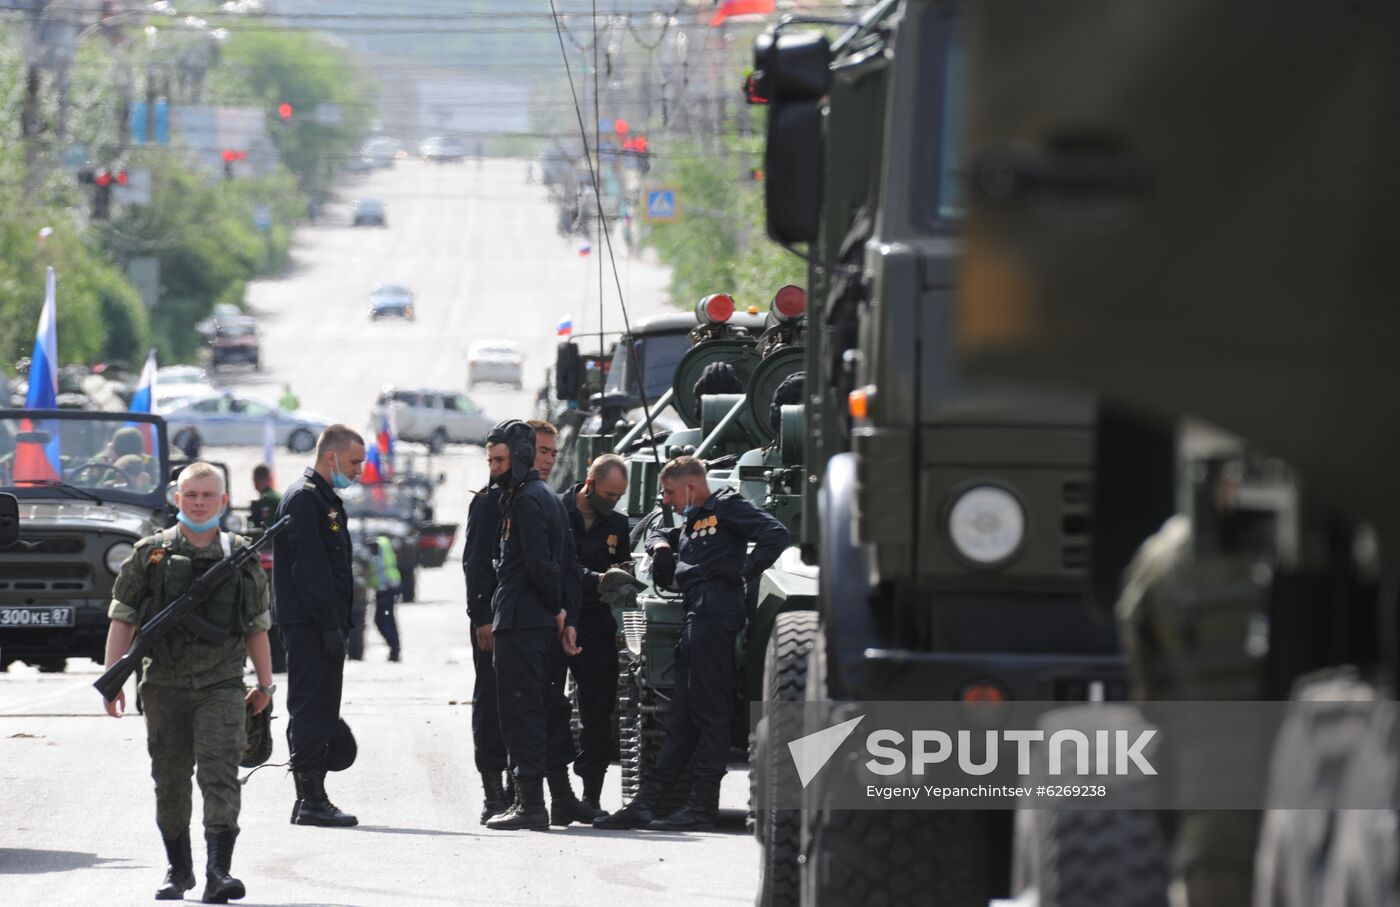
x=663 y=205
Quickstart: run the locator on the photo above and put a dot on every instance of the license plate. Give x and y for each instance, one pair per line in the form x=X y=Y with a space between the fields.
x=36 y=617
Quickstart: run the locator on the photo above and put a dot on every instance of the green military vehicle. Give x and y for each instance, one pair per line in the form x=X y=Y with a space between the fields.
x=82 y=508
x=751 y=443
x=952 y=522
x=590 y=393
x=1139 y=232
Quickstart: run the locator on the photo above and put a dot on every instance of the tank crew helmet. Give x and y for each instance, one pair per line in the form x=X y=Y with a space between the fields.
x=258 y=748
x=341 y=752
x=520 y=438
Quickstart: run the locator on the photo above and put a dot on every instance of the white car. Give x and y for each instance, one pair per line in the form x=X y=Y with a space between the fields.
x=495 y=362
x=432 y=417
x=238 y=420
x=175 y=383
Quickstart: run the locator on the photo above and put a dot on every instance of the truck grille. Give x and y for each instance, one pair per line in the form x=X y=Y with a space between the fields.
x=66 y=545
x=45 y=578
x=1076 y=525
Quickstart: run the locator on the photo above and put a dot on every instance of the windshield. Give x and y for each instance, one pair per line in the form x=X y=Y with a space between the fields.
x=659 y=354
x=106 y=456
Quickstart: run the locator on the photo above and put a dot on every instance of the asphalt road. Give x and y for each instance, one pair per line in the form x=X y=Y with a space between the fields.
x=77 y=810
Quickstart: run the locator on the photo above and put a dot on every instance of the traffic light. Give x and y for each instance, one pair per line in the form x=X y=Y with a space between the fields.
x=102 y=182
x=284 y=110
x=229 y=157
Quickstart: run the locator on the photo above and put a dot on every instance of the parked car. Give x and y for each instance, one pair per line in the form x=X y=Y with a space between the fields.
x=175 y=383
x=432 y=417
x=369 y=210
x=495 y=362
x=381 y=150
x=234 y=420
x=391 y=301
x=236 y=341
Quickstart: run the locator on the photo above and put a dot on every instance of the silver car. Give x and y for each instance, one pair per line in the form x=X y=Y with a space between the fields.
x=238 y=420
x=432 y=417
x=495 y=362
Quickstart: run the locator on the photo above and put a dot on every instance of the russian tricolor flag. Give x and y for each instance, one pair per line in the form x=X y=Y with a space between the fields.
x=372 y=473
x=144 y=399
x=32 y=462
x=384 y=445
x=565 y=328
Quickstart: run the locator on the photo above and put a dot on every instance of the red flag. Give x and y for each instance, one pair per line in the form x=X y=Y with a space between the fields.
x=742 y=8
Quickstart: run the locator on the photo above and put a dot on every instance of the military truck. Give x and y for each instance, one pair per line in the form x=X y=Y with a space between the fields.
x=81 y=512
x=951 y=522
x=1151 y=242
x=590 y=393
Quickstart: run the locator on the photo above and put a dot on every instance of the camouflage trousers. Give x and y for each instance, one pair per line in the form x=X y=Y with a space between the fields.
x=200 y=733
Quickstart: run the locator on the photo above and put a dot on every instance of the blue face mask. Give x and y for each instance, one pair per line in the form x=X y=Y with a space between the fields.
x=339 y=480
x=192 y=526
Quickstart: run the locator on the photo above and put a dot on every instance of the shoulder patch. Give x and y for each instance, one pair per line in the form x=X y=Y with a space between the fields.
x=156 y=556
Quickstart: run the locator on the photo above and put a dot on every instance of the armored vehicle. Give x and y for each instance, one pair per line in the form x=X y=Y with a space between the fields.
x=951 y=522
x=1151 y=242
x=89 y=486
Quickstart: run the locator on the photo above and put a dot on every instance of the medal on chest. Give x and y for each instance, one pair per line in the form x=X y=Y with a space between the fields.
x=612 y=545
x=707 y=526
x=505 y=529
x=334 y=518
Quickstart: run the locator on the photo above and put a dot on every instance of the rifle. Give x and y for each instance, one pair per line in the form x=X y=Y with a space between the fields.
x=181 y=613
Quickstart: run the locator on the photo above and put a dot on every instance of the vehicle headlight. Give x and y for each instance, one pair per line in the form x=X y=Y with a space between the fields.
x=987 y=525
x=116 y=556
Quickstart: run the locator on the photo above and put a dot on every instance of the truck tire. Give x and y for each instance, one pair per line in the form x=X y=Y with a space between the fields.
x=1312 y=753
x=1363 y=869
x=1090 y=857
x=640 y=737
x=52 y=665
x=896 y=857
x=780 y=829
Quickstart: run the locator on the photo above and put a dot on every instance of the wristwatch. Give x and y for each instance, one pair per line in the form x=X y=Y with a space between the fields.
x=269 y=689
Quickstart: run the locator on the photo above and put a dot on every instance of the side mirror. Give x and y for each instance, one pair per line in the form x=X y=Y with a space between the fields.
x=9 y=520
x=793 y=72
x=566 y=371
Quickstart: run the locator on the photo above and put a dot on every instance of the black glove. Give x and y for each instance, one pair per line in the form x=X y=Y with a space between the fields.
x=663 y=566
x=333 y=644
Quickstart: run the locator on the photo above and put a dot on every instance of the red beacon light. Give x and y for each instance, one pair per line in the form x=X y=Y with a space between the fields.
x=715 y=309
x=790 y=303
x=103 y=178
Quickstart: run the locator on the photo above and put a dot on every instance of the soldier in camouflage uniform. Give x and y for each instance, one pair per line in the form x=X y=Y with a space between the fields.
x=193 y=693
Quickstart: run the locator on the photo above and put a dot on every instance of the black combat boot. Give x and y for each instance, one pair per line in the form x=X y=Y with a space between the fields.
x=593 y=792
x=219 y=886
x=638 y=813
x=296 y=807
x=528 y=811
x=316 y=808
x=179 y=875
x=699 y=813
x=496 y=800
x=564 y=807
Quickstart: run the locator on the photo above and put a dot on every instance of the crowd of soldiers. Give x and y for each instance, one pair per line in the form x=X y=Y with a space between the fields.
x=542 y=573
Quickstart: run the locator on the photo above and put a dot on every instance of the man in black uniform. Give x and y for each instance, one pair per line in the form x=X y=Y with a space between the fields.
x=600 y=537
x=564 y=805
x=478 y=557
x=529 y=619
x=707 y=557
x=313 y=579
x=262 y=513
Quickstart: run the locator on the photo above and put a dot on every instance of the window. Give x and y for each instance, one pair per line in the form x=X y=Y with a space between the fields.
x=449 y=403
x=255 y=410
x=465 y=404
x=208 y=407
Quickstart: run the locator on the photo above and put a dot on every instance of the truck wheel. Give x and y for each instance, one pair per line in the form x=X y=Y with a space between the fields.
x=1363 y=869
x=1311 y=757
x=437 y=442
x=898 y=857
x=301 y=441
x=1088 y=857
x=780 y=828
x=52 y=665
x=641 y=735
